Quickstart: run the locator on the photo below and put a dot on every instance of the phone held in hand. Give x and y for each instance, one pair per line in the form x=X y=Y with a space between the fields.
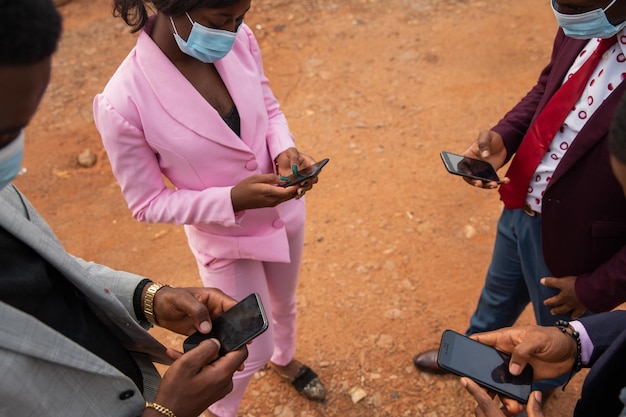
x=305 y=174
x=484 y=364
x=235 y=327
x=469 y=167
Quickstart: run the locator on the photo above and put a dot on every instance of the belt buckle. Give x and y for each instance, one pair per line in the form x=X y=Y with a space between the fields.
x=529 y=211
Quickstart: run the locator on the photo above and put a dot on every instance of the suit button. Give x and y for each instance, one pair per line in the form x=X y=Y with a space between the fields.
x=252 y=165
x=278 y=223
x=127 y=394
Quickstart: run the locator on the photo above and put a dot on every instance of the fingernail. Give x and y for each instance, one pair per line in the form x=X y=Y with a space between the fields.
x=485 y=153
x=514 y=368
x=282 y=178
x=464 y=382
x=542 y=281
x=538 y=396
x=205 y=327
x=294 y=168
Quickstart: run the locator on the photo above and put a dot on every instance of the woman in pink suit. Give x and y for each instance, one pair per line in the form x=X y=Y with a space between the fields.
x=191 y=103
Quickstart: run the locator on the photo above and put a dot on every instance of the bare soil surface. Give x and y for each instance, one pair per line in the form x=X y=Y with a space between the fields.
x=396 y=249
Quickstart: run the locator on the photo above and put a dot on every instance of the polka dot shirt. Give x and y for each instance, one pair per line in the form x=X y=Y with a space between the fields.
x=611 y=71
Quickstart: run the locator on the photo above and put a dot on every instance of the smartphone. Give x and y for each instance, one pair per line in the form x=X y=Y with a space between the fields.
x=235 y=327
x=469 y=167
x=487 y=366
x=306 y=173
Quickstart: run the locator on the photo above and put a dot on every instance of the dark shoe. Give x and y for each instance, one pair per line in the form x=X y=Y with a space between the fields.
x=306 y=382
x=427 y=362
x=309 y=385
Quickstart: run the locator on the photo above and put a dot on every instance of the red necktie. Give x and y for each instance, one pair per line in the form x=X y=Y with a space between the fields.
x=542 y=131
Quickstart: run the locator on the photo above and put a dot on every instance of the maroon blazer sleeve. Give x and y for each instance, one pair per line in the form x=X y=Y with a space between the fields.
x=515 y=123
x=605 y=287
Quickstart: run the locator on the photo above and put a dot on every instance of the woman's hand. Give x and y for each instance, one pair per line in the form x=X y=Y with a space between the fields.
x=262 y=190
x=291 y=159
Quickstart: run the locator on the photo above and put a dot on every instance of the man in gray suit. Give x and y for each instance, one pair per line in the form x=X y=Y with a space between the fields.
x=73 y=337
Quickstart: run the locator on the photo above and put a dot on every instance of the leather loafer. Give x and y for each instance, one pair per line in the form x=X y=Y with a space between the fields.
x=427 y=362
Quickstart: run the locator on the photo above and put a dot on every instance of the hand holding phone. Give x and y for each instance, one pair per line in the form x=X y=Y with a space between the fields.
x=235 y=327
x=469 y=167
x=485 y=365
x=305 y=174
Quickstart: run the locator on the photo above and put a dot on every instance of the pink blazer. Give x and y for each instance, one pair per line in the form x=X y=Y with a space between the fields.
x=154 y=123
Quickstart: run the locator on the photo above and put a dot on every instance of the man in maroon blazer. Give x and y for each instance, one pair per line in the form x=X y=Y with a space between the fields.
x=597 y=341
x=563 y=248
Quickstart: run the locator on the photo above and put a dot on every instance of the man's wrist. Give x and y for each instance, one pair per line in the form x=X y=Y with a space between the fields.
x=566 y=328
x=586 y=343
x=138 y=299
x=149 y=295
x=160 y=409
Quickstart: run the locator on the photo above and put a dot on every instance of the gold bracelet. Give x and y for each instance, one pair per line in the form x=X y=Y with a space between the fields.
x=163 y=410
x=148 y=302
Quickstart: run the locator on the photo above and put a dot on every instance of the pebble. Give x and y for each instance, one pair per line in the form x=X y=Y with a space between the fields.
x=87 y=158
x=282 y=411
x=357 y=394
x=469 y=231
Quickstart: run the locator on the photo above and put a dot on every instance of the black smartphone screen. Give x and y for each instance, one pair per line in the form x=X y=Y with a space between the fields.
x=235 y=327
x=469 y=167
x=306 y=173
x=487 y=366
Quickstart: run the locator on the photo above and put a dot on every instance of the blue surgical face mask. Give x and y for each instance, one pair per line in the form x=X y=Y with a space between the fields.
x=11 y=159
x=588 y=25
x=205 y=44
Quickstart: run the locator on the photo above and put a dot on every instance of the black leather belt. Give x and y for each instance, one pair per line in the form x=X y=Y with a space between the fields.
x=530 y=212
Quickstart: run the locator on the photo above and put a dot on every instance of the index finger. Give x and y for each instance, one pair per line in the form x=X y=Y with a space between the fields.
x=488 y=338
x=505 y=341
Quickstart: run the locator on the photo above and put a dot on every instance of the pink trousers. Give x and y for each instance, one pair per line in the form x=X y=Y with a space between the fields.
x=276 y=284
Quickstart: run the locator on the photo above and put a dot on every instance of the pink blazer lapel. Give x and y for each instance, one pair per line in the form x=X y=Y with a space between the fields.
x=244 y=80
x=179 y=99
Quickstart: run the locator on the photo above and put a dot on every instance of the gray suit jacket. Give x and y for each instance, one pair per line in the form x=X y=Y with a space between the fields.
x=43 y=373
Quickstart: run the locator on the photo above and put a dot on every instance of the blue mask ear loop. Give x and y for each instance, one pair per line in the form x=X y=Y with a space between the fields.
x=609 y=6
x=192 y=22
x=604 y=10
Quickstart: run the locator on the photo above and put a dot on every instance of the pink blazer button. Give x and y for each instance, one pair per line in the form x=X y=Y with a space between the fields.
x=278 y=223
x=252 y=165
